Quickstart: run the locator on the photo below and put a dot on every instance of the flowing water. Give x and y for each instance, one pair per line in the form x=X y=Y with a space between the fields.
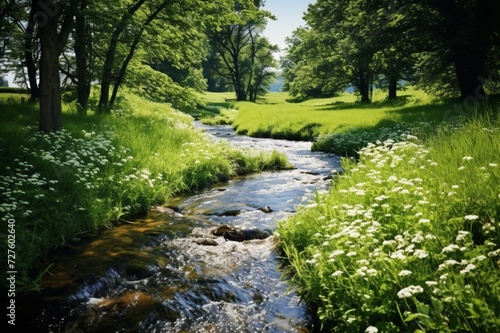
x=167 y=272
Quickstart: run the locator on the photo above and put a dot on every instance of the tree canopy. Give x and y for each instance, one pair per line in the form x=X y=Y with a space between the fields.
x=447 y=47
x=156 y=47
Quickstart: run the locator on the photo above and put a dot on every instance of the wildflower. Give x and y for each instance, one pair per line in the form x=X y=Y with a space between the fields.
x=337 y=273
x=421 y=254
x=417 y=239
x=371 y=329
x=336 y=253
x=467 y=158
x=487 y=227
x=468 y=269
x=471 y=217
x=431 y=283
x=494 y=253
x=493 y=165
x=410 y=291
x=461 y=168
x=392 y=179
x=404 y=272
x=478 y=258
x=423 y=221
x=362 y=271
x=447 y=263
x=398 y=255
x=461 y=235
x=450 y=248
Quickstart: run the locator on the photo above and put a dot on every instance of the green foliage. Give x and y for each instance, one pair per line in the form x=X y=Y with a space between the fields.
x=448 y=47
x=100 y=170
x=407 y=240
x=240 y=56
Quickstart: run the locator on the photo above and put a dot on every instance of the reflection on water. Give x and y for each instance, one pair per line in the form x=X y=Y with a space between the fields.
x=160 y=274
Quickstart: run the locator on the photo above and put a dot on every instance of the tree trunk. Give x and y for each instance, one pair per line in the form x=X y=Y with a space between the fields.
x=28 y=56
x=364 y=90
x=82 y=62
x=50 y=88
x=121 y=74
x=110 y=56
x=393 y=87
x=133 y=47
x=469 y=69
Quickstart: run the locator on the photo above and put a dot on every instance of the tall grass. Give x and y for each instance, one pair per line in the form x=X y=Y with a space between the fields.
x=408 y=240
x=101 y=170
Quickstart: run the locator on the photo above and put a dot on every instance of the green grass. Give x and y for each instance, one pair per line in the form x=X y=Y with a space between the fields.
x=278 y=116
x=408 y=239
x=100 y=170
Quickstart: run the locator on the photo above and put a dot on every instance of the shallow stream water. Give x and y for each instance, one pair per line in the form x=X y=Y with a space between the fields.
x=167 y=272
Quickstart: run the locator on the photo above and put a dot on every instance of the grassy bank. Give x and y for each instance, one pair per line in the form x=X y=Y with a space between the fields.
x=408 y=239
x=278 y=116
x=100 y=170
x=338 y=124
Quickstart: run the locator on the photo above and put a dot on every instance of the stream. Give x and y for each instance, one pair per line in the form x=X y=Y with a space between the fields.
x=167 y=272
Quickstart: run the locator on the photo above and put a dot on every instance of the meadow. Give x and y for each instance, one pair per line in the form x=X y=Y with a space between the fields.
x=408 y=238
x=101 y=170
x=326 y=121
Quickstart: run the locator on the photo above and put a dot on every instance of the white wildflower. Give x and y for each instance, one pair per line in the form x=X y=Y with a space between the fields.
x=450 y=248
x=337 y=273
x=404 y=272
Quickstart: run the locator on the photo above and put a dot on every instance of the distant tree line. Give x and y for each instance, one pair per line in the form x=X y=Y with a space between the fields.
x=447 y=47
x=163 y=49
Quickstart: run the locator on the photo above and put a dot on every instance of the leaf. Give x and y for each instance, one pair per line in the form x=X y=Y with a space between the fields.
x=423 y=308
x=437 y=305
x=414 y=316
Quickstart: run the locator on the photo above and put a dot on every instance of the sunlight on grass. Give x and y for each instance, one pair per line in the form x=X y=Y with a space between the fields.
x=408 y=239
x=277 y=116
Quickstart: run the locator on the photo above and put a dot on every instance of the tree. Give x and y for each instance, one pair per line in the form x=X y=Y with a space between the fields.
x=462 y=38
x=54 y=21
x=335 y=51
x=306 y=72
x=83 y=56
x=244 y=55
x=109 y=61
x=170 y=30
x=450 y=43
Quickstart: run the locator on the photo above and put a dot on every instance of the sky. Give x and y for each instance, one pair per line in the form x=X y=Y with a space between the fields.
x=289 y=17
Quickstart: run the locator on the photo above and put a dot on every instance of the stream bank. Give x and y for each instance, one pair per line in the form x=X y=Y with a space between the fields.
x=154 y=274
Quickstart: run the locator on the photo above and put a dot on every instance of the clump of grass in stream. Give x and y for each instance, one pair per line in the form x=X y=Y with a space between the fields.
x=408 y=240
x=221 y=116
x=102 y=169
